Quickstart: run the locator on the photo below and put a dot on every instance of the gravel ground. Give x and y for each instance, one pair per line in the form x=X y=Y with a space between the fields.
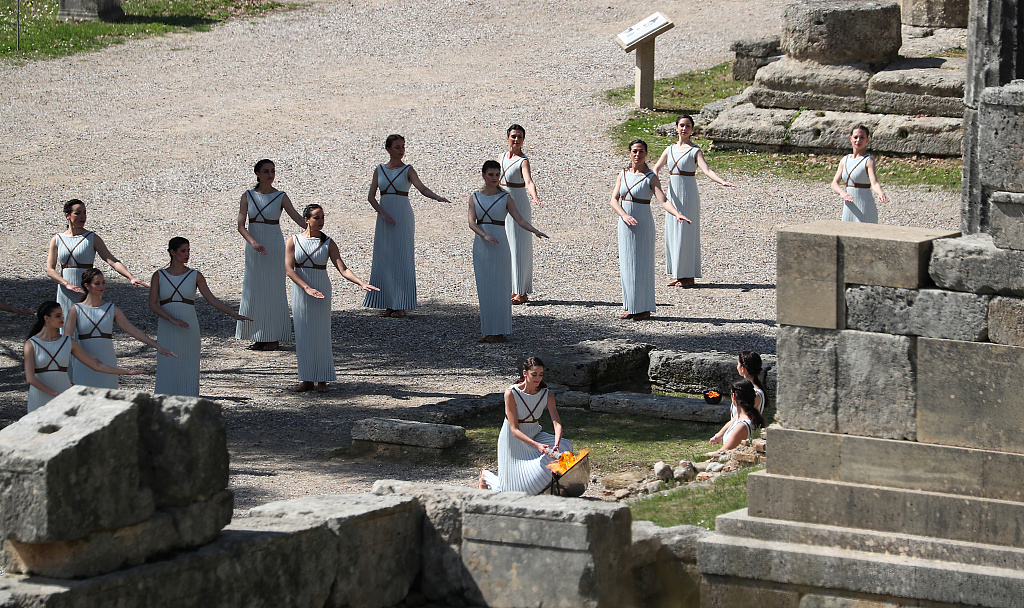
x=159 y=137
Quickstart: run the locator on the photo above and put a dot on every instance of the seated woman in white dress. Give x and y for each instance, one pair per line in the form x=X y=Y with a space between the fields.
x=748 y=365
x=748 y=419
x=47 y=354
x=524 y=449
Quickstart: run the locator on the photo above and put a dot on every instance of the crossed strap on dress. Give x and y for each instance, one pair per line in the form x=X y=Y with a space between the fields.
x=309 y=256
x=487 y=219
x=390 y=187
x=53 y=357
x=503 y=181
x=95 y=332
x=675 y=170
x=71 y=252
x=260 y=210
x=849 y=174
x=629 y=190
x=170 y=298
x=534 y=415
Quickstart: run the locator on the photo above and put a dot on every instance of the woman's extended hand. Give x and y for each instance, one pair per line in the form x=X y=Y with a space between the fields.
x=238 y=317
x=313 y=292
x=135 y=282
x=490 y=239
x=715 y=439
x=682 y=218
x=179 y=323
x=163 y=351
x=369 y=287
x=848 y=197
x=629 y=219
x=74 y=288
x=260 y=249
x=387 y=218
x=137 y=372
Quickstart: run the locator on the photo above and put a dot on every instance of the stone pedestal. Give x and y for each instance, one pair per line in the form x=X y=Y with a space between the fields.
x=82 y=10
x=842 y=31
x=936 y=13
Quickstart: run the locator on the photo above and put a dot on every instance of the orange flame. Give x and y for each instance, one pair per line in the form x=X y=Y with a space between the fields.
x=565 y=461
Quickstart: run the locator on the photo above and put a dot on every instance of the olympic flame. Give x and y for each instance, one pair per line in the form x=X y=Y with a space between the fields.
x=565 y=461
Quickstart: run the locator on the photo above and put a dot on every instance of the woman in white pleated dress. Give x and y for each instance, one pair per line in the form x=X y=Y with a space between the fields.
x=394 y=263
x=48 y=353
x=73 y=251
x=524 y=448
x=682 y=240
x=263 y=287
x=306 y=258
x=856 y=182
x=91 y=324
x=517 y=180
x=172 y=297
x=492 y=262
x=631 y=197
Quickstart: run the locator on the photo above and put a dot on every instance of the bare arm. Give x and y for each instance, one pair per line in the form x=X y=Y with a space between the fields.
x=289 y=269
x=556 y=421
x=51 y=268
x=663 y=160
x=531 y=188
x=216 y=303
x=104 y=253
x=513 y=424
x=243 y=215
x=289 y=208
x=372 y=199
x=703 y=164
x=513 y=211
x=667 y=206
x=30 y=370
x=617 y=206
x=154 y=302
x=126 y=326
x=476 y=227
x=71 y=323
x=345 y=271
x=18 y=311
x=839 y=188
x=875 y=186
x=414 y=178
x=733 y=439
x=93 y=363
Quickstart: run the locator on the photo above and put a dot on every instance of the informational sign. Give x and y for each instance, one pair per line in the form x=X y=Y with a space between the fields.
x=647 y=29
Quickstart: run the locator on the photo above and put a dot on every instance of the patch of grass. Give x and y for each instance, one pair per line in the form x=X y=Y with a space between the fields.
x=696 y=506
x=43 y=36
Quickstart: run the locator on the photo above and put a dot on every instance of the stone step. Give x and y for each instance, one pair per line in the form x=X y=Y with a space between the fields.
x=896 y=464
x=660 y=406
x=840 y=571
x=872 y=507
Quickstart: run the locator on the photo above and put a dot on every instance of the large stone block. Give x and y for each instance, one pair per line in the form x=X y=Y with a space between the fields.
x=378 y=537
x=1006 y=321
x=807 y=378
x=407 y=432
x=892 y=256
x=919 y=85
x=968 y=394
x=754 y=127
x=1006 y=219
x=842 y=31
x=565 y=552
x=660 y=406
x=694 y=373
x=830 y=131
x=598 y=365
x=927 y=312
x=1001 y=123
x=974 y=264
x=809 y=285
x=89 y=9
x=936 y=13
x=803 y=453
x=71 y=468
x=793 y=84
x=753 y=54
x=665 y=565
x=875 y=385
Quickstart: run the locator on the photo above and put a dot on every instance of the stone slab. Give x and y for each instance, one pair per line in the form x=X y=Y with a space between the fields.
x=807 y=378
x=694 y=373
x=597 y=365
x=932 y=313
x=1006 y=219
x=969 y=394
x=974 y=264
x=936 y=13
x=827 y=131
x=660 y=406
x=919 y=85
x=765 y=46
x=745 y=68
x=1006 y=320
x=751 y=125
x=809 y=282
x=876 y=385
x=407 y=432
x=71 y=468
x=842 y=31
x=872 y=507
x=1001 y=122
x=79 y=10
x=789 y=83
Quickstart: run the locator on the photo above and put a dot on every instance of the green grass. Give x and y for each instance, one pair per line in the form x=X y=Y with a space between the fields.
x=43 y=36
x=697 y=506
x=690 y=92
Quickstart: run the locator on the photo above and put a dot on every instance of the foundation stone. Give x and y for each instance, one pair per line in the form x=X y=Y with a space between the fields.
x=936 y=13
x=790 y=83
x=1006 y=321
x=842 y=31
x=599 y=365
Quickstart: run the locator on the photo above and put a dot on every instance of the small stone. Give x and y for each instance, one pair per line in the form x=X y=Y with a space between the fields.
x=623 y=493
x=715 y=467
x=723 y=458
x=700 y=466
x=662 y=471
x=655 y=486
x=685 y=472
x=704 y=476
x=617 y=481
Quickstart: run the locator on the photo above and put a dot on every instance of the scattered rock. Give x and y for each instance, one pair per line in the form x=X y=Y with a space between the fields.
x=685 y=472
x=662 y=471
x=700 y=467
x=714 y=467
x=623 y=493
x=655 y=486
x=618 y=481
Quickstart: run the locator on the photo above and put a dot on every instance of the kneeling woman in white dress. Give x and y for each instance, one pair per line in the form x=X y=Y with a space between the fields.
x=47 y=354
x=747 y=419
x=524 y=449
x=172 y=296
x=305 y=260
x=91 y=323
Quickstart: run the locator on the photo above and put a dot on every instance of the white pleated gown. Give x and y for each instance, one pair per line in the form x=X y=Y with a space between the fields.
x=682 y=240
x=178 y=376
x=855 y=177
x=636 y=243
x=94 y=334
x=264 y=299
x=520 y=240
x=492 y=265
x=394 y=264
x=313 y=315
x=51 y=361
x=521 y=468
x=75 y=255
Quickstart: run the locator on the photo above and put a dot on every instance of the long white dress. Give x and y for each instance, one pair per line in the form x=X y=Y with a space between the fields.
x=394 y=263
x=521 y=468
x=855 y=177
x=94 y=334
x=51 y=361
x=178 y=376
x=313 y=315
x=263 y=287
x=636 y=243
x=492 y=265
x=520 y=240
x=75 y=255
x=682 y=240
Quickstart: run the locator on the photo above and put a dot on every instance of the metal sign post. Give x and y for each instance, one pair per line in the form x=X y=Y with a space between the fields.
x=640 y=37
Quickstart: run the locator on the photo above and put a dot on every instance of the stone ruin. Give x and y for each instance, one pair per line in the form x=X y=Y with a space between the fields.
x=842 y=66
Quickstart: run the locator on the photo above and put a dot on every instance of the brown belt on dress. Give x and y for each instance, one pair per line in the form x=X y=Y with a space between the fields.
x=313 y=266
x=856 y=185
x=63 y=267
x=639 y=201
x=40 y=370
x=490 y=222
x=515 y=185
x=183 y=301
x=264 y=221
x=398 y=192
x=102 y=335
x=686 y=173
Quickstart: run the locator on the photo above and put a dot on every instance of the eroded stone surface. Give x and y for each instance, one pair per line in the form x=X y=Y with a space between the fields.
x=407 y=432
x=842 y=31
